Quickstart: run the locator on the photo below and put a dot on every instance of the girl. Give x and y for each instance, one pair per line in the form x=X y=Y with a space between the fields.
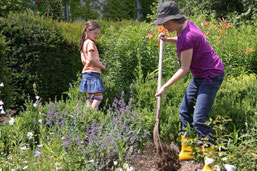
x=91 y=81
x=198 y=56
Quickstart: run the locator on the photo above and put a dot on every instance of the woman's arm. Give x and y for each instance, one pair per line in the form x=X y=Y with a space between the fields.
x=186 y=58
x=169 y=39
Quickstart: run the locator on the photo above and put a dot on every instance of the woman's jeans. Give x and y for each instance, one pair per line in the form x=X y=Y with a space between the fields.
x=198 y=100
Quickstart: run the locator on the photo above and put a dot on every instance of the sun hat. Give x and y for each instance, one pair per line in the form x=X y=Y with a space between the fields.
x=167 y=11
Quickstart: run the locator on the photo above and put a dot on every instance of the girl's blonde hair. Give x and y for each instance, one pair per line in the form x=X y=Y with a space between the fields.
x=89 y=25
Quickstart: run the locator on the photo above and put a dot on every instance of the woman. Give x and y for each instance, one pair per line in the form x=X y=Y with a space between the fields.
x=197 y=56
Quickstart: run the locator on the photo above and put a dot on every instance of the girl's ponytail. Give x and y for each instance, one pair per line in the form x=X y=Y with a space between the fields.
x=90 y=25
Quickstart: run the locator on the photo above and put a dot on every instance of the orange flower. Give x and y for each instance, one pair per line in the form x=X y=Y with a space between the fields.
x=149 y=36
x=220 y=32
x=206 y=33
x=248 y=50
x=205 y=23
x=227 y=25
x=222 y=20
x=212 y=25
x=239 y=51
x=160 y=29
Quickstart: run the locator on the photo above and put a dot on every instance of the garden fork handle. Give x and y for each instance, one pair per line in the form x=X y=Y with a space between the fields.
x=158 y=106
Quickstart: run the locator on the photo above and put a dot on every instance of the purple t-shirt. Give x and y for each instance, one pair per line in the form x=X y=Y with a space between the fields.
x=205 y=63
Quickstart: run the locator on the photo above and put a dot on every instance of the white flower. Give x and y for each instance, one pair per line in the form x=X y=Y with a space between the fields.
x=35 y=105
x=217 y=168
x=130 y=169
x=40 y=120
x=1 y=103
x=224 y=159
x=37 y=97
x=208 y=161
x=30 y=135
x=229 y=167
x=23 y=148
x=11 y=121
x=115 y=163
x=3 y=112
x=25 y=167
x=25 y=162
x=119 y=169
x=1 y=108
x=125 y=166
x=40 y=145
x=12 y=169
x=91 y=161
x=2 y=85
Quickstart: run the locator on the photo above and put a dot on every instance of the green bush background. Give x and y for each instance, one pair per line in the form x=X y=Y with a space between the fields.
x=43 y=52
x=39 y=58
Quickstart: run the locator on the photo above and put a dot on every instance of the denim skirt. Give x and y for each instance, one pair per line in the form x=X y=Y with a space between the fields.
x=91 y=83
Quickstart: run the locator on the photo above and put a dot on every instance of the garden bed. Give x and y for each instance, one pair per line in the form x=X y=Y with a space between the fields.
x=148 y=160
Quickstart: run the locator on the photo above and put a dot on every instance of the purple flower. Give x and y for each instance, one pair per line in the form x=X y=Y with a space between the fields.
x=145 y=133
x=111 y=154
x=108 y=139
x=37 y=153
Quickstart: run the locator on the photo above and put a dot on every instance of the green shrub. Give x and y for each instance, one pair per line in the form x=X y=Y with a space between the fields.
x=9 y=6
x=39 y=57
x=6 y=91
x=237 y=99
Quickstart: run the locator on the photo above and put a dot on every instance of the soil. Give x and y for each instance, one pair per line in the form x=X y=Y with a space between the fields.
x=149 y=160
x=3 y=118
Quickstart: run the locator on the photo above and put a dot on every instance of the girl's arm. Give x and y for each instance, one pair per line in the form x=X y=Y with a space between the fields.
x=92 y=60
x=186 y=58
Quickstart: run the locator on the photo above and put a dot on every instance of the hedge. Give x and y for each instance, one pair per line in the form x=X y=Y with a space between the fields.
x=6 y=91
x=40 y=60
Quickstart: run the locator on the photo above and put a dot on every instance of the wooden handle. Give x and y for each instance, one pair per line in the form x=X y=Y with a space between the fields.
x=158 y=106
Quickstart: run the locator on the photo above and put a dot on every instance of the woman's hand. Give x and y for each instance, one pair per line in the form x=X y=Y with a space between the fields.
x=167 y=39
x=162 y=37
x=161 y=92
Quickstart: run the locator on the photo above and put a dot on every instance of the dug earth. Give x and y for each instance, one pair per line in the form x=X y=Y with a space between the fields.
x=149 y=160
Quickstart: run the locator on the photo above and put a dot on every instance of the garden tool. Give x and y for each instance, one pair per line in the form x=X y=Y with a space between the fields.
x=156 y=137
x=186 y=152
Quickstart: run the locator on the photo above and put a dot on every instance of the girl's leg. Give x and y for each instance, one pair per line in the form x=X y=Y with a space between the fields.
x=187 y=106
x=97 y=99
x=89 y=103
x=89 y=100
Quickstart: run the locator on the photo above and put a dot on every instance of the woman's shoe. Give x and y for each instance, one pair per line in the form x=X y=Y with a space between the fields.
x=186 y=152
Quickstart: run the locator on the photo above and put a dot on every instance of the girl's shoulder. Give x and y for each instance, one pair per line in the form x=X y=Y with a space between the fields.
x=89 y=45
x=88 y=41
